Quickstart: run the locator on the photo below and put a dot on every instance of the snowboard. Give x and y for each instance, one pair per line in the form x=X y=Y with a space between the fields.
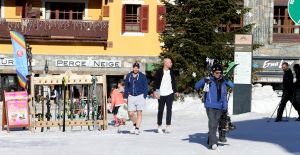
x=229 y=69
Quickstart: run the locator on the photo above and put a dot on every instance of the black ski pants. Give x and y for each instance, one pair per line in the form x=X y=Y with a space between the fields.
x=162 y=101
x=288 y=96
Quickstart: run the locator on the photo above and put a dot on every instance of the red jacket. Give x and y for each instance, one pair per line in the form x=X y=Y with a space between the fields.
x=116 y=98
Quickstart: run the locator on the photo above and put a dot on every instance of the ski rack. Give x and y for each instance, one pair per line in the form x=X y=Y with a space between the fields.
x=73 y=79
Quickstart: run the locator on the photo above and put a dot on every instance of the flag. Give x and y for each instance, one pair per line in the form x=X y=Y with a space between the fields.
x=20 y=56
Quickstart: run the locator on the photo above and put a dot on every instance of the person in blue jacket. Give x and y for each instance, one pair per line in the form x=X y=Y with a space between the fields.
x=135 y=93
x=215 y=100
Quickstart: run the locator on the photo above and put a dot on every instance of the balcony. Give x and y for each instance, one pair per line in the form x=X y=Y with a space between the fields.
x=53 y=30
x=286 y=34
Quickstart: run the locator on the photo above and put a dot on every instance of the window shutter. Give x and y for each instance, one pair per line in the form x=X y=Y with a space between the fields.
x=161 y=20
x=19 y=10
x=123 y=18
x=106 y=11
x=144 y=18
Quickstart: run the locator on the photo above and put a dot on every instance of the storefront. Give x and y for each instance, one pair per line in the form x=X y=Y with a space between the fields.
x=113 y=67
x=268 y=70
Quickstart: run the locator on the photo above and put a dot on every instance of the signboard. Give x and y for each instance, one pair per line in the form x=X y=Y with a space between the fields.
x=242 y=73
x=7 y=62
x=271 y=65
x=89 y=63
x=15 y=110
x=243 y=57
x=294 y=10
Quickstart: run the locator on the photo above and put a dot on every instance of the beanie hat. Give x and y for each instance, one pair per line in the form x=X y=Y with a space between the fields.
x=216 y=67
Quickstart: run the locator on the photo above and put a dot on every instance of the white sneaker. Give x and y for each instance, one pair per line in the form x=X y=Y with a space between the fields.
x=132 y=131
x=214 y=147
x=137 y=132
x=159 y=129
x=168 y=129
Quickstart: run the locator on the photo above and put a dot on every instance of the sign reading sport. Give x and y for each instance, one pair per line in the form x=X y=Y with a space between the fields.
x=294 y=10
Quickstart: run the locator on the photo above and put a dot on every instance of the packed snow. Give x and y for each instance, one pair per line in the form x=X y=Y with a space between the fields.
x=188 y=137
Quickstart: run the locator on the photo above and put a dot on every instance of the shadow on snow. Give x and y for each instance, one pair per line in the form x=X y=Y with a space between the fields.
x=283 y=134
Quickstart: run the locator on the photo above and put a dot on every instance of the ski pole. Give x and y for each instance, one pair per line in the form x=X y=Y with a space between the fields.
x=273 y=113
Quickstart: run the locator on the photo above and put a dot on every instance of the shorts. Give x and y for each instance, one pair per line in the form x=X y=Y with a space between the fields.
x=115 y=110
x=136 y=103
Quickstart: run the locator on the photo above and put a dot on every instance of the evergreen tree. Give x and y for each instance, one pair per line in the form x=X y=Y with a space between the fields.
x=195 y=31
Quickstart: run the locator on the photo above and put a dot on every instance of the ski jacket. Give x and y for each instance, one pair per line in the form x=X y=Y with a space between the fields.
x=136 y=86
x=217 y=96
x=116 y=98
x=287 y=82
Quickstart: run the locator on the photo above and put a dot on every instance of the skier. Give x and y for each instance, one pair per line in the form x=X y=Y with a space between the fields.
x=288 y=91
x=165 y=85
x=215 y=88
x=136 y=90
x=117 y=100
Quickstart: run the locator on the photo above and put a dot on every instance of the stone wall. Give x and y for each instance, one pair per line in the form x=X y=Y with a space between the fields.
x=261 y=14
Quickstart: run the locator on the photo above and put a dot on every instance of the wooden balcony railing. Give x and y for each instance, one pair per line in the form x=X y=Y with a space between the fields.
x=286 y=33
x=56 y=30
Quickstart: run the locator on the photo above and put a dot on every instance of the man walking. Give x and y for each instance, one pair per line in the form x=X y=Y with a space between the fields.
x=288 y=91
x=215 y=101
x=165 y=88
x=136 y=90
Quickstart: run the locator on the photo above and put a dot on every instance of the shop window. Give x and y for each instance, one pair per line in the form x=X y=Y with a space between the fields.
x=60 y=10
x=135 y=18
x=282 y=23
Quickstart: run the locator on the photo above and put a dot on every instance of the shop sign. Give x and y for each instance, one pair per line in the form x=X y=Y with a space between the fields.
x=89 y=63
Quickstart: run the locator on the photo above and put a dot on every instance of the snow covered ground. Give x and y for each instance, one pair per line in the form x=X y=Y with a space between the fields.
x=253 y=135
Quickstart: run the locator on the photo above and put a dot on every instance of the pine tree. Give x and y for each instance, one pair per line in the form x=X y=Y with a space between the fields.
x=195 y=31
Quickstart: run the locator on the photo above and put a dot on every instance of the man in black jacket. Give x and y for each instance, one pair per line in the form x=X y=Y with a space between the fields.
x=165 y=85
x=297 y=87
x=288 y=91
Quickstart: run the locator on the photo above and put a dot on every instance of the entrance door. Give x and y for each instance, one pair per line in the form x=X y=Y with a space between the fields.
x=112 y=82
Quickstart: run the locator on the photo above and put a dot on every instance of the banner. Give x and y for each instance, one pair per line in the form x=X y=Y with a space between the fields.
x=20 y=56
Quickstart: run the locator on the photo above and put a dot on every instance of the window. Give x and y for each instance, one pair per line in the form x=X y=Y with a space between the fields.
x=233 y=25
x=135 y=18
x=282 y=22
x=132 y=18
x=59 y=10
